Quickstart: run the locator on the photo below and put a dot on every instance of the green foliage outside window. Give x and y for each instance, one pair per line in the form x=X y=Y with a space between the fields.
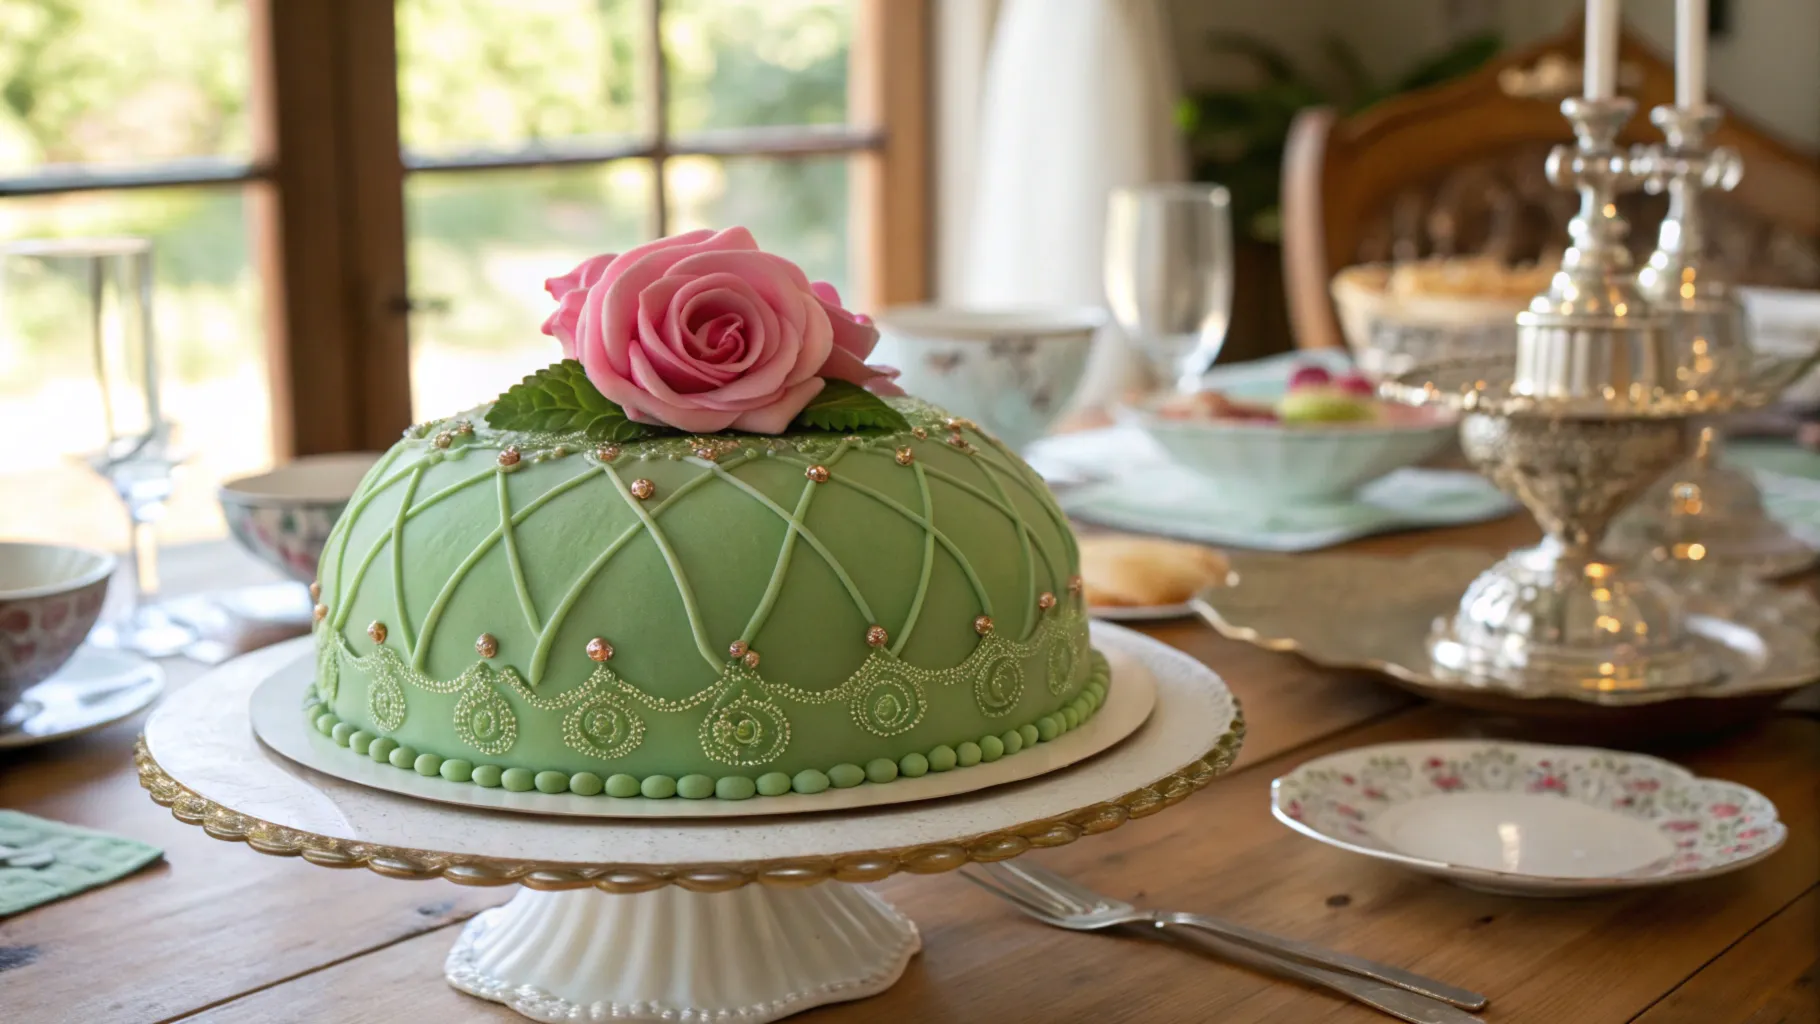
x=125 y=81
x=1236 y=136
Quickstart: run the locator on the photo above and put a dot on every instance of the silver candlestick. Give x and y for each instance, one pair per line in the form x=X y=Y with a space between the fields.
x=1591 y=340
x=1707 y=318
x=1703 y=524
x=1592 y=409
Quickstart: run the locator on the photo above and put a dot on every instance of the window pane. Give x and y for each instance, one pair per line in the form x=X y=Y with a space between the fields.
x=209 y=328
x=500 y=74
x=796 y=208
x=121 y=81
x=483 y=242
x=734 y=63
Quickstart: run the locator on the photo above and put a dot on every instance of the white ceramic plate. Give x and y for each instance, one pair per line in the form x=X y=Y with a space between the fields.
x=1141 y=613
x=94 y=689
x=279 y=723
x=1527 y=819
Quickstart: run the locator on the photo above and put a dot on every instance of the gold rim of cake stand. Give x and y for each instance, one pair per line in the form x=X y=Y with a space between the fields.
x=225 y=823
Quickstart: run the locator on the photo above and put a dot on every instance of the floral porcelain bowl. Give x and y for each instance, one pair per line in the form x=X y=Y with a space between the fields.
x=1528 y=819
x=50 y=596
x=1013 y=371
x=1263 y=463
x=283 y=517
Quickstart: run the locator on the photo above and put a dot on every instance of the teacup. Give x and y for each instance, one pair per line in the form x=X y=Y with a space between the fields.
x=1012 y=371
x=50 y=596
x=284 y=517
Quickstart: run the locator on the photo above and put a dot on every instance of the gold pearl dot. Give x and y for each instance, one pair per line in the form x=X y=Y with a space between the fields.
x=444 y=439
x=705 y=452
x=463 y=427
x=1074 y=584
x=376 y=631
x=510 y=456
x=905 y=456
x=1046 y=601
x=642 y=488
x=487 y=645
x=737 y=649
x=750 y=660
x=818 y=474
x=877 y=637
x=320 y=612
x=919 y=433
x=982 y=625
x=316 y=591
x=599 y=650
x=607 y=452
x=957 y=440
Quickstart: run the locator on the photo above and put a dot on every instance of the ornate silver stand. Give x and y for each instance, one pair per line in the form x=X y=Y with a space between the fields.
x=1703 y=525
x=1593 y=410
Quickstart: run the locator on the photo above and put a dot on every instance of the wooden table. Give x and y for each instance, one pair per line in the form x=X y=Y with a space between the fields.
x=220 y=933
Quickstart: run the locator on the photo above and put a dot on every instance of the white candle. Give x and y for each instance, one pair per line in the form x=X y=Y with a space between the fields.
x=1601 y=49
x=1690 y=53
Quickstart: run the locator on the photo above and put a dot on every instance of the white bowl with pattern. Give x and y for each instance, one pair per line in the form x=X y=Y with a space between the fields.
x=1260 y=463
x=50 y=596
x=1527 y=819
x=1013 y=371
x=283 y=517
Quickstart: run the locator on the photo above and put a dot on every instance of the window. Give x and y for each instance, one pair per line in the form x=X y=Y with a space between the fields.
x=104 y=130
x=340 y=253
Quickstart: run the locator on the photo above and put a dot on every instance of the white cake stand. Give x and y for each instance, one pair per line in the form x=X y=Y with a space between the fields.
x=674 y=920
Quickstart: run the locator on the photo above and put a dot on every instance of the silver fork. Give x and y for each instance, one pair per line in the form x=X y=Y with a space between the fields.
x=1057 y=901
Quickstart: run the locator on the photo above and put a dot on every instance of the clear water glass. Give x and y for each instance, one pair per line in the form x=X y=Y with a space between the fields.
x=135 y=455
x=1169 y=275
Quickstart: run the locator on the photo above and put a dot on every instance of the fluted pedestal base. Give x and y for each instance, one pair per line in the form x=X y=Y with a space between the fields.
x=753 y=954
x=1545 y=621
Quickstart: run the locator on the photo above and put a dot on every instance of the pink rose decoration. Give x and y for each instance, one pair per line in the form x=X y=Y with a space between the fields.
x=702 y=331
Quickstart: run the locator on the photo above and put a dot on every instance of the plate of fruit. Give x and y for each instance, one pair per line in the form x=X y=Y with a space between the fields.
x=1314 y=436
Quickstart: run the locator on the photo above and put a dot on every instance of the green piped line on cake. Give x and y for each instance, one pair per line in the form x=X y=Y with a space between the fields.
x=942 y=758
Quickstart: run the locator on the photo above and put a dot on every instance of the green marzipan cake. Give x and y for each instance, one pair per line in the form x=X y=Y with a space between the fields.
x=726 y=615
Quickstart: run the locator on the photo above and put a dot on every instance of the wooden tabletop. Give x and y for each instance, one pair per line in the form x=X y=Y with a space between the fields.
x=217 y=932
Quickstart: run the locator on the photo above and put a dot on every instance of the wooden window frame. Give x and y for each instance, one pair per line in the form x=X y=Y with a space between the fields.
x=325 y=190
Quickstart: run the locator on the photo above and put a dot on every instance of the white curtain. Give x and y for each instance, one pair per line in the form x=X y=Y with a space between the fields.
x=1077 y=100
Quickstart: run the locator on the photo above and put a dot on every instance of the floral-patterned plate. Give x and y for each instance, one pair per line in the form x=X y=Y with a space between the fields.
x=1526 y=819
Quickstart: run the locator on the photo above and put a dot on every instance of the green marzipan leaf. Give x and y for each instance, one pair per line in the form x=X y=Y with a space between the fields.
x=560 y=399
x=843 y=406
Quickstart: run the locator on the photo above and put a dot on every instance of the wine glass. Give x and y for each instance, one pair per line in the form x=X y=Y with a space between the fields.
x=135 y=455
x=1169 y=275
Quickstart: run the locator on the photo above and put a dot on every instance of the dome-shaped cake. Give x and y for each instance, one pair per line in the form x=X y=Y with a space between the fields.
x=717 y=615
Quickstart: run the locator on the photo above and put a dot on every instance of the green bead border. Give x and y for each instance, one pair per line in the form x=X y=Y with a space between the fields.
x=879 y=771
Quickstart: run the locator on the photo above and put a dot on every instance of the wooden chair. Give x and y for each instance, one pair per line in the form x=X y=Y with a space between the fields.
x=1458 y=169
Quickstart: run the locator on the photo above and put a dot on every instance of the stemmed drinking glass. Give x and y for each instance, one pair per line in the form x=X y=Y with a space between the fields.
x=1169 y=275
x=135 y=455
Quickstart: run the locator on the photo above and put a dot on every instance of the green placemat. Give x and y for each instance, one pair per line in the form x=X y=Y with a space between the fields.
x=1775 y=457
x=1788 y=476
x=43 y=860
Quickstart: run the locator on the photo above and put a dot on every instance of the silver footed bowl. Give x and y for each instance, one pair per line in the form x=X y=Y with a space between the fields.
x=1557 y=618
x=1560 y=618
x=1487 y=384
